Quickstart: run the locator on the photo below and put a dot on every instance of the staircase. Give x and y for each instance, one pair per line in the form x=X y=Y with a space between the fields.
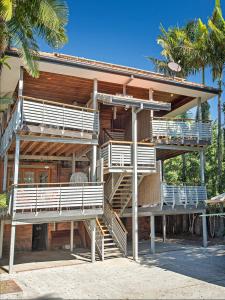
x=111 y=235
x=111 y=249
x=121 y=191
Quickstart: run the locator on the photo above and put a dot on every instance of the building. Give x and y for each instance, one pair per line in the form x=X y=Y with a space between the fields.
x=82 y=151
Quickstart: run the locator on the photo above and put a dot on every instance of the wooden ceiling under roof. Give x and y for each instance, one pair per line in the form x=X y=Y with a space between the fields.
x=70 y=89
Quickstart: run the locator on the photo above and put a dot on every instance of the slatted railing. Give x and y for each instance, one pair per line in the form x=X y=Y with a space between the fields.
x=116 y=227
x=182 y=195
x=181 y=129
x=60 y=115
x=119 y=154
x=57 y=197
x=13 y=124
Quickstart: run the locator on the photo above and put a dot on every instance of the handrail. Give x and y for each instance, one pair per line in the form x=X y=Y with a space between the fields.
x=100 y=227
x=126 y=142
x=181 y=119
x=60 y=104
x=119 y=220
x=57 y=183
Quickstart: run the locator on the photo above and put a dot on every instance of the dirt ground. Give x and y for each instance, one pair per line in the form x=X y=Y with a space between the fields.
x=177 y=271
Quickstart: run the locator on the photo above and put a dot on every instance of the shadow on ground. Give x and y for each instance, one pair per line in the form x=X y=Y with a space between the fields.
x=206 y=264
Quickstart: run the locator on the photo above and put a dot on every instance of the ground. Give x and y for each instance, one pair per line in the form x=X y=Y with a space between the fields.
x=178 y=271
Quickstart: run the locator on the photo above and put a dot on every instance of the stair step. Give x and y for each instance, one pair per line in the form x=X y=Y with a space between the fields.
x=109 y=244
x=115 y=249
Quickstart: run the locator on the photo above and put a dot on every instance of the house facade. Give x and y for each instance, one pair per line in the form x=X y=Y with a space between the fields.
x=82 y=153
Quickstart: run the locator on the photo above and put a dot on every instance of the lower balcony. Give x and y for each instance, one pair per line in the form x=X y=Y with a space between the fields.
x=174 y=196
x=56 y=202
x=117 y=157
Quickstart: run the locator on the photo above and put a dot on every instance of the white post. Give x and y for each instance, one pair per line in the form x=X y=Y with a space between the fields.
x=94 y=150
x=134 y=187
x=74 y=163
x=16 y=160
x=71 y=235
x=1 y=237
x=202 y=167
x=93 y=236
x=164 y=228
x=20 y=88
x=204 y=231
x=4 y=183
x=12 y=247
x=152 y=233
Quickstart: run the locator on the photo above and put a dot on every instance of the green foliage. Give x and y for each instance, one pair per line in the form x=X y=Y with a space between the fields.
x=173 y=168
x=4 y=200
x=23 y=22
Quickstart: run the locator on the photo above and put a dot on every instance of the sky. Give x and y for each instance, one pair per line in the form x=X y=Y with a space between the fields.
x=125 y=31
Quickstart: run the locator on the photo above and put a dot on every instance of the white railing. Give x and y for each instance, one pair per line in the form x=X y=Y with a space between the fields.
x=116 y=227
x=60 y=115
x=99 y=238
x=11 y=128
x=181 y=128
x=119 y=154
x=57 y=197
x=182 y=195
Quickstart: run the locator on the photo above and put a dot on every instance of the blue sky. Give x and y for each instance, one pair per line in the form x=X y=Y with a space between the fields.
x=125 y=31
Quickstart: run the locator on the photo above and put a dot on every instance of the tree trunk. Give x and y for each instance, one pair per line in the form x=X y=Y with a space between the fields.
x=205 y=107
x=183 y=168
x=219 y=143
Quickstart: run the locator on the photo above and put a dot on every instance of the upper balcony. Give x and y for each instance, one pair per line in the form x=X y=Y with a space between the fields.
x=181 y=131
x=42 y=117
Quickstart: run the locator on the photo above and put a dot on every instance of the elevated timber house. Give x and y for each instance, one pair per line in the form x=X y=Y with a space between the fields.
x=82 y=151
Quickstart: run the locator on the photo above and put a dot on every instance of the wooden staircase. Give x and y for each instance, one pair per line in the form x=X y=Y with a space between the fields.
x=111 y=250
x=121 y=193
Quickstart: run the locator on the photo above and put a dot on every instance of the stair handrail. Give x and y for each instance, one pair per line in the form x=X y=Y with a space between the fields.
x=100 y=227
x=116 y=227
x=121 y=223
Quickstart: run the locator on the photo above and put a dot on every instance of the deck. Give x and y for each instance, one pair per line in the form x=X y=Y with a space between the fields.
x=36 y=203
x=43 y=121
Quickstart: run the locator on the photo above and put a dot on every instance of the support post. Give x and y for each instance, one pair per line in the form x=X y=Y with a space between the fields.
x=94 y=150
x=16 y=160
x=204 y=231
x=152 y=233
x=12 y=247
x=164 y=228
x=20 y=87
x=1 y=237
x=74 y=163
x=93 y=237
x=4 y=183
x=71 y=235
x=199 y=107
x=202 y=167
x=134 y=187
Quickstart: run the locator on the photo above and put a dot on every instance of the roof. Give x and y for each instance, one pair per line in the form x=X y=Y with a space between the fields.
x=119 y=69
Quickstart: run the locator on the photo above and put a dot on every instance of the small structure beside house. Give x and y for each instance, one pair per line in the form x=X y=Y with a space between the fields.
x=82 y=154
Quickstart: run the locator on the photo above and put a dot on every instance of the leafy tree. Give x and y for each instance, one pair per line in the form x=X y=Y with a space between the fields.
x=23 y=22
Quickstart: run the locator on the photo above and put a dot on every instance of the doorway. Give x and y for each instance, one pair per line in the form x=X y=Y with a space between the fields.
x=39 y=237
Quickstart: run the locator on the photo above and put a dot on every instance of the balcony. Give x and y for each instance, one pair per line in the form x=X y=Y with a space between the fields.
x=182 y=195
x=56 y=201
x=181 y=131
x=117 y=156
x=52 y=119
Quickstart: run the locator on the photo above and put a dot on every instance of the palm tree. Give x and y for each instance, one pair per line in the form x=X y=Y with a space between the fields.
x=188 y=46
x=217 y=61
x=22 y=23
